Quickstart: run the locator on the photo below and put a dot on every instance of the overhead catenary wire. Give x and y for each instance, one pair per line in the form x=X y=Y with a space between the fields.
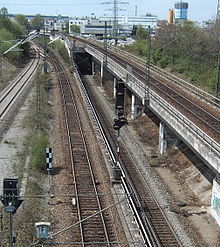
x=79 y=222
x=72 y=195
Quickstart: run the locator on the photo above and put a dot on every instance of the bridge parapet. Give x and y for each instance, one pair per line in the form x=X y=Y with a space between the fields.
x=194 y=137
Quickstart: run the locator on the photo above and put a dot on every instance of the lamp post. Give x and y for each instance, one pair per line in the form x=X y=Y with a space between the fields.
x=45 y=48
x=147 y=77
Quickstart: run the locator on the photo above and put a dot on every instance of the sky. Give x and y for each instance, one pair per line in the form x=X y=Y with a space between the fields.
x=199 y=10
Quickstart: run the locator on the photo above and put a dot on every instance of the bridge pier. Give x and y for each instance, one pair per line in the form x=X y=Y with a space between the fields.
x=145 y=103
x=114 y=87
x=162 y=138
x=102 y=71
x=133 y=107
x=93 y=67
x=136 y=107
x=215 y=200
x=166 y=138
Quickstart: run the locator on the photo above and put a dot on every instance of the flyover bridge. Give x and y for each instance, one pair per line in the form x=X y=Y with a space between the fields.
x=198 y=139
x=190 y=113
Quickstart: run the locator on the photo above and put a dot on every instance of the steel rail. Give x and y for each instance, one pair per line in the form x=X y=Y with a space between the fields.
x=193 y=111
x=176 y=96
x=212 y=100
x=69 y=141
x=123 y=62
x=112 y=154
x=11 y=86
x=144 y=224
x=10 y=93
x=153 y=96
x=86 y=155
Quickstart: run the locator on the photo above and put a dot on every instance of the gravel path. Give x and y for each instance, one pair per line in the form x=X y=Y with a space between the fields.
x=11 y=142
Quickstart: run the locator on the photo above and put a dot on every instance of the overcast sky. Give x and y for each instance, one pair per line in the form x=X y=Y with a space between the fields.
x=199 y=10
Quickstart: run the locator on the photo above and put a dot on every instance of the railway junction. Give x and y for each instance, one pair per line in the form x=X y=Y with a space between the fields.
x=114 y=182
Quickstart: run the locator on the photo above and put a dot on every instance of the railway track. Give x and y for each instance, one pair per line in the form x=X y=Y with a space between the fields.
x=94 y=231
x=11 y=93
x=194 y=110
x=204 y=116
x=149 y=210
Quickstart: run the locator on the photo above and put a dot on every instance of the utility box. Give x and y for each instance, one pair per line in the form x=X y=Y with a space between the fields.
x=42 y=229
x=117 y=173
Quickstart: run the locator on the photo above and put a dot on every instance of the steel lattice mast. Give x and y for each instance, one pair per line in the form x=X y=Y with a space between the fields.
x=115 y=16
x=218 y=11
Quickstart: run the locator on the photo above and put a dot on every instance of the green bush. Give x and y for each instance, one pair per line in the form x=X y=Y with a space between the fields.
x=164 y=61
x=61 y=49
x=38 y=145
x=181 y=66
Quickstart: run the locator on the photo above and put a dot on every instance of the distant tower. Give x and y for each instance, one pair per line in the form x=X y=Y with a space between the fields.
x=135 y=10
x=170 y=19
x=181 y=9
x=218 y=11
x=115 y=15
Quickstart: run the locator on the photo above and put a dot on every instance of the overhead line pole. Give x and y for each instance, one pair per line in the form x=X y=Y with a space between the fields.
x=218 y=11
x=1 y=61
x=217 y=84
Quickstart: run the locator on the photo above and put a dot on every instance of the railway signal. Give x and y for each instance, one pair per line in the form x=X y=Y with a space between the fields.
x=11 y=201
x=118 y=123
x=10 y=198
x=120 y=98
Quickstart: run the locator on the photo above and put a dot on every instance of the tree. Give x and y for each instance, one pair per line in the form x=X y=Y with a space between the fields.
x=4 y=12
x=37 y=22
x=4 y=20
x=75 y=29
x=141 y=33
x=67 y=27
x=190 y=49
x=12 y=30
x=23 y=21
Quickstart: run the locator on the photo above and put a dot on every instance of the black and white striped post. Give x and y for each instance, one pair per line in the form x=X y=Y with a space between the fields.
x=49 y=156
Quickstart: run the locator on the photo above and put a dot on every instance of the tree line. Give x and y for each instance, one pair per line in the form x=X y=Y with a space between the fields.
x=13 y=30
x=190 y=50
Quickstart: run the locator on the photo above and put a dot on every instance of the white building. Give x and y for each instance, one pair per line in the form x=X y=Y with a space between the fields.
x=79 y=22
x=54 y=24
x=128 y=22
x=98 y=27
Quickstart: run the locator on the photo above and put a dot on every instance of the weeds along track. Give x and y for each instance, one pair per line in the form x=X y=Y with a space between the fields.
x=149 y=210
x=94 y=231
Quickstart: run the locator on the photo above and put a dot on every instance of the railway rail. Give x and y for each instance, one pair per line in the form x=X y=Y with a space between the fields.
x=155 y=228
x=199 y=112
x=187 y=105
x=10 y=94
x=94 y=231
x=208 y=98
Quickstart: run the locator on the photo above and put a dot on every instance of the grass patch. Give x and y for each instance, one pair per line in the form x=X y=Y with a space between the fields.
x=38 y=146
